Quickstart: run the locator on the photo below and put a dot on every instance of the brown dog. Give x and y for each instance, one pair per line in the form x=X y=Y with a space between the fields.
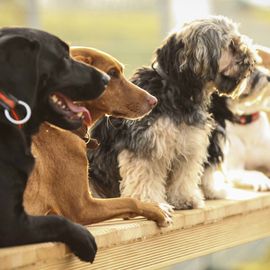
x=59 y=182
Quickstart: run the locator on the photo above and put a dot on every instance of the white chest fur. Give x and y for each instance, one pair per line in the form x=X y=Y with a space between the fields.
x=173 y=169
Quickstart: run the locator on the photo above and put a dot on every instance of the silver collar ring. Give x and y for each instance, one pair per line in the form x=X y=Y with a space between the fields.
x=22 y=121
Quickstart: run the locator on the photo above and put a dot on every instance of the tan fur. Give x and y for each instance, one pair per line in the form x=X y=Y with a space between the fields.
x=122 y=98
x=59 y=181
x=264 y=53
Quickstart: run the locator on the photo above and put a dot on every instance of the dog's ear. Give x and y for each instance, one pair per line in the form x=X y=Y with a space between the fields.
x=19 y=59
x=17 y=41
x=264 y=54
x=84 y=59
x=201 y=53
x=167 y=55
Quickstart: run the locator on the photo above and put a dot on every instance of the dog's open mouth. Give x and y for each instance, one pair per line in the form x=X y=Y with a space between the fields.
x=69 y=110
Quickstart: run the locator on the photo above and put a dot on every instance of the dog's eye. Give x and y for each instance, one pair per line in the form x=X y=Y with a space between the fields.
x=113 y=73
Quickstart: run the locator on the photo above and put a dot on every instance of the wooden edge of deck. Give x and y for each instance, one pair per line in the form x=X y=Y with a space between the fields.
x=140 y=244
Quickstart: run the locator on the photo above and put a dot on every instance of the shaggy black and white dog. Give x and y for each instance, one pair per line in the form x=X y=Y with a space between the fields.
x=161 y=157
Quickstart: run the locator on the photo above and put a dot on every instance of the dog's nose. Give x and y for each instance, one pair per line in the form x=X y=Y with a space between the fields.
x=105 y=79
x=152 y=101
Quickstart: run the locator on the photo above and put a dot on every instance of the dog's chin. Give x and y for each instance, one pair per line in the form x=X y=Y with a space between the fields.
x=131 y=115
x=63 y=122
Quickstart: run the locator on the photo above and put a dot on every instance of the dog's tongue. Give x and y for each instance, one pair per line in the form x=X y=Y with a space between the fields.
x=77 y=109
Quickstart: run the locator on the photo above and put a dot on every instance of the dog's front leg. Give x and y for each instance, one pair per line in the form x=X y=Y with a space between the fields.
x=213 y=183
x=18 y=228
x=142 y=178
x=96 y=210
x=183 y=191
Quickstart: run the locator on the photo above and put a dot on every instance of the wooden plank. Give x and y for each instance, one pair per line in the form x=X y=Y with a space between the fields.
x=140 y=244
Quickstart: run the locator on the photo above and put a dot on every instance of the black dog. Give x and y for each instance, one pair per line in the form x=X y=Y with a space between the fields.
x=33 y=64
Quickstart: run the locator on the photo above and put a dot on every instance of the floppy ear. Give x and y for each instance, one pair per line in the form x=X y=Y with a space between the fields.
x=15 y=42
x=19 y=59
x=167 y=55
x=264 y=54
x=84 y=59
x=201 y=54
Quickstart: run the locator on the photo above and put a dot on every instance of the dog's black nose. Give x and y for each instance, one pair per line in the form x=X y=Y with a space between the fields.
x=152 y=101
x=105 y=79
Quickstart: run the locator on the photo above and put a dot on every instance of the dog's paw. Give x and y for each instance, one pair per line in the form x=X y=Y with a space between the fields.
x=253 y=180
x=167 y=210
x=261 y=184
x=82 y=243
x=216 y=192
x=192 y=204
x=214 y=184
x=193 y=201
x=161 y=213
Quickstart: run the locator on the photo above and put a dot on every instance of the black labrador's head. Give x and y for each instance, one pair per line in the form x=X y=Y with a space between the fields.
x=36 y=68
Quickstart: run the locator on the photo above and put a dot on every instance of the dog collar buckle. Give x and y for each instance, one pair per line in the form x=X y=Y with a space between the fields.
x=9 y=103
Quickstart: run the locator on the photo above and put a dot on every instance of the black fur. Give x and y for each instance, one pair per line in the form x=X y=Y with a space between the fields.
x=181 y=98
x=34 y=63
x=220 y=112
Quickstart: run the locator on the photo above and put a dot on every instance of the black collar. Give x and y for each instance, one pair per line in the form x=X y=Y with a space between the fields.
x=157 y=68
x=166 y=80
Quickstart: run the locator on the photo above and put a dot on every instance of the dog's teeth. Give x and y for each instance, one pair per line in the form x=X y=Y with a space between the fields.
x=80 y=114
x=54 y=98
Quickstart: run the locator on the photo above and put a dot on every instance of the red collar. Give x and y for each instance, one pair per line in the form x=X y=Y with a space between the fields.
x=246 y=119
x=9 y=103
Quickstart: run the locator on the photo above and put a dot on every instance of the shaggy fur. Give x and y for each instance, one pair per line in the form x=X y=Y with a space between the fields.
x=220 y=112
x=57 y=188
x=160 y=158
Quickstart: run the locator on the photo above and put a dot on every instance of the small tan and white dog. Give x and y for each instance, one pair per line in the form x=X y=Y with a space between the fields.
x=247 y=145
x=248 y=140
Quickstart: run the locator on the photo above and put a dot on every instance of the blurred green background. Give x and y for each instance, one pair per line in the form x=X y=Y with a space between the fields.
x=130 y=33
x=130 y=30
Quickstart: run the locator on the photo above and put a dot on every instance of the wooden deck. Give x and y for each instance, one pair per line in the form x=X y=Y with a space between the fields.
x=140 y=244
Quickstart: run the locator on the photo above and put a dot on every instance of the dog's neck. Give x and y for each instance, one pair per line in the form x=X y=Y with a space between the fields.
x=84 y=132
x=96 y=114
x=191 y=94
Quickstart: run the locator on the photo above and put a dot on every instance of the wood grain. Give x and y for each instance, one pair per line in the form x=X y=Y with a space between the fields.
x=140 y=244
